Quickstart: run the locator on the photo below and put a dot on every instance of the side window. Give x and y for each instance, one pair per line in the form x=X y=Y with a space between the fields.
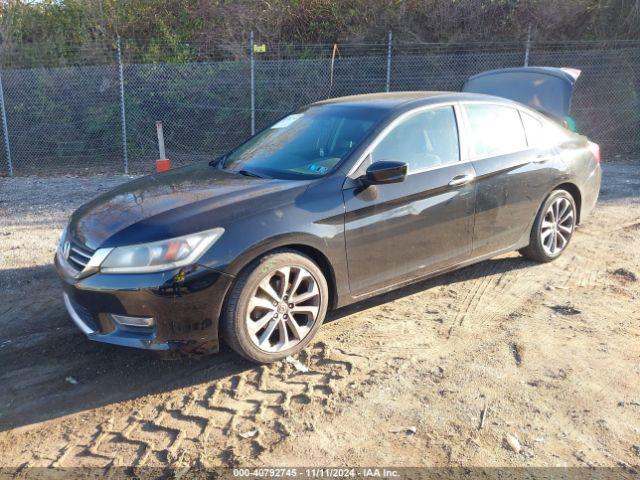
x=535 y=130
x=495 y=129
x=424 y=140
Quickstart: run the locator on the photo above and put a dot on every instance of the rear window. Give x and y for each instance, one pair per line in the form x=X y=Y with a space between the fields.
x=495 y=129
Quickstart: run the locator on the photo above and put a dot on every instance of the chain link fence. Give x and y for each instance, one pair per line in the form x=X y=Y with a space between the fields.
x=67 y=117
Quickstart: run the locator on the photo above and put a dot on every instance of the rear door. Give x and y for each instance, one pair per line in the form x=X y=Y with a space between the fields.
x=512 y=175
x=403 y=230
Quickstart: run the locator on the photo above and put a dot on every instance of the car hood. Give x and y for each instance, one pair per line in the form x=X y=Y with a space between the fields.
x=546 y=89
x=170 y=204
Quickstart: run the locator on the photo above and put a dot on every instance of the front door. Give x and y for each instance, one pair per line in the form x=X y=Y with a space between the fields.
x=398 y=231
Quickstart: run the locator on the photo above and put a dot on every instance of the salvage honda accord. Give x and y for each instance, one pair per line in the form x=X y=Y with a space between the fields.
x=342 y=200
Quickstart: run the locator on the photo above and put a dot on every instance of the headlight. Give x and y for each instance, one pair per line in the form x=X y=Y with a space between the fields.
x=163 y=255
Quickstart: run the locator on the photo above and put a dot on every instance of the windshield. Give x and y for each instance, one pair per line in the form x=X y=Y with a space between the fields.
x=306 y=144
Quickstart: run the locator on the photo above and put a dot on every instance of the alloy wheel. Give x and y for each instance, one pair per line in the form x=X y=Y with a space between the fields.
x=283 y=309
x=557 y=226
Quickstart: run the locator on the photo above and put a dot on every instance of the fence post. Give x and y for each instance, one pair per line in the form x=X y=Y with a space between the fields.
x=528 y=47
x=160 y=133
x=5 y=129
x=390 y=39
x=123 y=116
x=253 y=85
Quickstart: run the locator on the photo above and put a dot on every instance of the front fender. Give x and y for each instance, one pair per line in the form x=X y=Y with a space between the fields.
x=280 y=241
x=312 y=222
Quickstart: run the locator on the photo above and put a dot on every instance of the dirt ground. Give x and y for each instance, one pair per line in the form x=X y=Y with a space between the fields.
x=442 y=373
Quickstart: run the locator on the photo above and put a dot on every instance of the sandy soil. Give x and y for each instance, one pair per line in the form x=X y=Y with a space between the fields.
x=442 y=373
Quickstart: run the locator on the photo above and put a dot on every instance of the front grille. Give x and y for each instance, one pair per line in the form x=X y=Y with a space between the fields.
x=79 y=256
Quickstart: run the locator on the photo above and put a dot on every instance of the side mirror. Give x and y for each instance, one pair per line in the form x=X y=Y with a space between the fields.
x=383 y=172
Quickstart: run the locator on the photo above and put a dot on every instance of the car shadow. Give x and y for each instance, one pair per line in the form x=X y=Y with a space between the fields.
x=495 y=266
x=48 y=369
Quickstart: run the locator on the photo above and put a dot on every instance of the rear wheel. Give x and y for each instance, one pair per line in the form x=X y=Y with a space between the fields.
x=553 y=227
x=275 y=307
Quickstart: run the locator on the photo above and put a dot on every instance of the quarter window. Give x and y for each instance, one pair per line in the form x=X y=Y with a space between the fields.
x=424 y=140
x=495 y=129
x=535 y=130
x=542 y=133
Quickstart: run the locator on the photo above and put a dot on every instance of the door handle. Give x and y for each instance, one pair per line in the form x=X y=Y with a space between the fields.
x=542 y=158
x=461 y=179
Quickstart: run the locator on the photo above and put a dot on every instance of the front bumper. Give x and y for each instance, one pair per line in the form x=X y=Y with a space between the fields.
x=185 y=305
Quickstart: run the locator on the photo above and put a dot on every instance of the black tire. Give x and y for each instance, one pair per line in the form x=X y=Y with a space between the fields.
x=234 y=330
x=535 y=250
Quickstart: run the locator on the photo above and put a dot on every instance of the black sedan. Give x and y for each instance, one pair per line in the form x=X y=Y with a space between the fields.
x=342 y=200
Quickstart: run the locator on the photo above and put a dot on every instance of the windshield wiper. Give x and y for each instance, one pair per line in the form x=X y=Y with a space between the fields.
x=218 y=161
x=248 y=173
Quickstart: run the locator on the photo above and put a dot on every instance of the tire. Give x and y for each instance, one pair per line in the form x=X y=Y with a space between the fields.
x=543 y=246
x=256 y=306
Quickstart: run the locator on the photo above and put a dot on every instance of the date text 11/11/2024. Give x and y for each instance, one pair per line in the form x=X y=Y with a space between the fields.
x=316 y=472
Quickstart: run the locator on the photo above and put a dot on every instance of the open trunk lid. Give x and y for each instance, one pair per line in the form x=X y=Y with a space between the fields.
x=546 y=89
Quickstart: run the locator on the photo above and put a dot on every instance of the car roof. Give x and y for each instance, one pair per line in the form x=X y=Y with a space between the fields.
x=407 y=100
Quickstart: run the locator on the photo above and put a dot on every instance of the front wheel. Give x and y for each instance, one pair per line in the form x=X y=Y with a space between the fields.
x=275 y=307
x=553 y=227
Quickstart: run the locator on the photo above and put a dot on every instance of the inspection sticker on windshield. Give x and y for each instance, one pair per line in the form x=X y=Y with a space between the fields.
x=318 y=168
x=286 y=121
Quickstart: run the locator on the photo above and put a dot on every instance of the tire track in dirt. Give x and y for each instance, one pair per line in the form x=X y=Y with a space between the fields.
x=249 y=410
x=512 y=290
x=478 y=285
x=496 y=293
